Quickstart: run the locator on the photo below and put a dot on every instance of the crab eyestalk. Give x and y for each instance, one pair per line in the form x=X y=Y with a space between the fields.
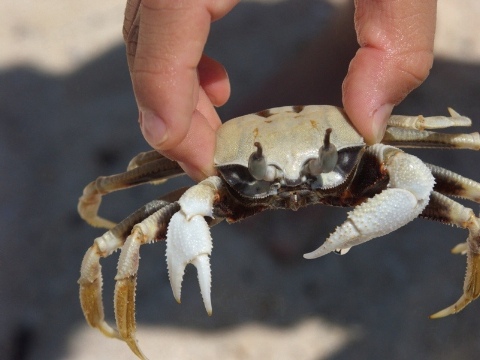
x=258 y=168
x=327 y=157
x=257 y=165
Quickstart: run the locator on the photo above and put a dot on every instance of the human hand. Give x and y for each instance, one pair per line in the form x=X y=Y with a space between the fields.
x=175 y=83
x=176 y=86
x=396 y=54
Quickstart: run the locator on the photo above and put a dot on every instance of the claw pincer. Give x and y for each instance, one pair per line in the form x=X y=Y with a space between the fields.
x=189 y=239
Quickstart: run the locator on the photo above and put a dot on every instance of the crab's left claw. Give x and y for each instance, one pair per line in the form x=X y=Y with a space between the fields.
x=189 y=239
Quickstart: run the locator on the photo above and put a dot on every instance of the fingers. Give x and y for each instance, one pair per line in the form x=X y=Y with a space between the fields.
x=165 y=41
x=196 y=150
x=396 y=54
x=214 y=80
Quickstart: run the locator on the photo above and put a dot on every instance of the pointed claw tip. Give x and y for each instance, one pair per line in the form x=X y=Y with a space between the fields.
x=461 y=249
x=451 y=310
x=442 y=313
x=133 y=345
x=312 y=255
x=176 y=283
x=453 y=113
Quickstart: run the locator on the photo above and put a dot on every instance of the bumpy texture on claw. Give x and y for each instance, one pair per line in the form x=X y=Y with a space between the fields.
x=189 y=239
x=410 y=185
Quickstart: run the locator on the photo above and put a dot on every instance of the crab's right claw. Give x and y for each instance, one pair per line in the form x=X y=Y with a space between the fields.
x=189 y=239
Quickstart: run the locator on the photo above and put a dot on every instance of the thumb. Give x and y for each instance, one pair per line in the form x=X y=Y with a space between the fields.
x=396 y=54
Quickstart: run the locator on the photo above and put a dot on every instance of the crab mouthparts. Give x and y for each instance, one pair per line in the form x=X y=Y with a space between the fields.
x=294 y=200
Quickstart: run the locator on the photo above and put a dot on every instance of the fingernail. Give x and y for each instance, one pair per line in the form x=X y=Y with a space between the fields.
x=380 y=118
x=153 y=128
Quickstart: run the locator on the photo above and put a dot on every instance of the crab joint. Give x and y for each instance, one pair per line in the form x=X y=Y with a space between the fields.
x=327 y=157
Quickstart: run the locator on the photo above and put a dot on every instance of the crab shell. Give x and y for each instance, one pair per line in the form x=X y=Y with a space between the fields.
x=290 y=137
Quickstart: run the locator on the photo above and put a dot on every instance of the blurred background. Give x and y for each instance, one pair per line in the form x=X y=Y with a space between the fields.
x=67 y=115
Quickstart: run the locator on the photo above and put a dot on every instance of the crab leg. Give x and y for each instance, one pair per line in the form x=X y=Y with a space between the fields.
x=446 y=210
x=432 y=122
x=188 y=241
x=414 y=138
x=152 y=228
x=90 y=274
x=410 y=186
x=147 y=172
x=449 y=183
x=143 y=158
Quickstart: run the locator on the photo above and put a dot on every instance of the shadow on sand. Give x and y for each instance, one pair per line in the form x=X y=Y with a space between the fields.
x=60 y=132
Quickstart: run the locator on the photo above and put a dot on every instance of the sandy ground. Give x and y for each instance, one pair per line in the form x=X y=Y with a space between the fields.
x=67 y=115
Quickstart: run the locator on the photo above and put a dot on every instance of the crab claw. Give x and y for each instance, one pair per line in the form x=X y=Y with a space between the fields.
x=189 y=239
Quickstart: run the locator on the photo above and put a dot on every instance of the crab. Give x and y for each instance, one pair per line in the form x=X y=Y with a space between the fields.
x=281 y=158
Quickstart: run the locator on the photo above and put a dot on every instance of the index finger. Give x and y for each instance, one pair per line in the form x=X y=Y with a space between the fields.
x=163 y=61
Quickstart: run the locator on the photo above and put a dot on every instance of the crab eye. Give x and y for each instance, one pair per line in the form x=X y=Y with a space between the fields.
x=258 y=168
x=327 y=157
x=257 y=165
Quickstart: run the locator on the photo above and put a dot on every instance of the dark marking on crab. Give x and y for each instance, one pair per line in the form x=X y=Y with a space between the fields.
x=264 y=113
x=255 y=133
x=438 y=211
x=298 y=108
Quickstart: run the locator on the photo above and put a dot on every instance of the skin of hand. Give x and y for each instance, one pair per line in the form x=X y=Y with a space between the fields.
x=395 y=56
x=177 y=87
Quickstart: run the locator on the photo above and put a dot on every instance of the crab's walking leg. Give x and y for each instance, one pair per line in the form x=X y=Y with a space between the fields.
x=445 y=210
x=448 y=211
x=432 y=122
x=449 y=183
x=152 y=228
x=90 y=274
x=188 y=241
x=144 y=168
x=401 y=137
x=143 y=158
x=410 y=185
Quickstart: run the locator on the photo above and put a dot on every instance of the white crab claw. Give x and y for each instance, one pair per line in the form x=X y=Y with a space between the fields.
x=189 y=239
